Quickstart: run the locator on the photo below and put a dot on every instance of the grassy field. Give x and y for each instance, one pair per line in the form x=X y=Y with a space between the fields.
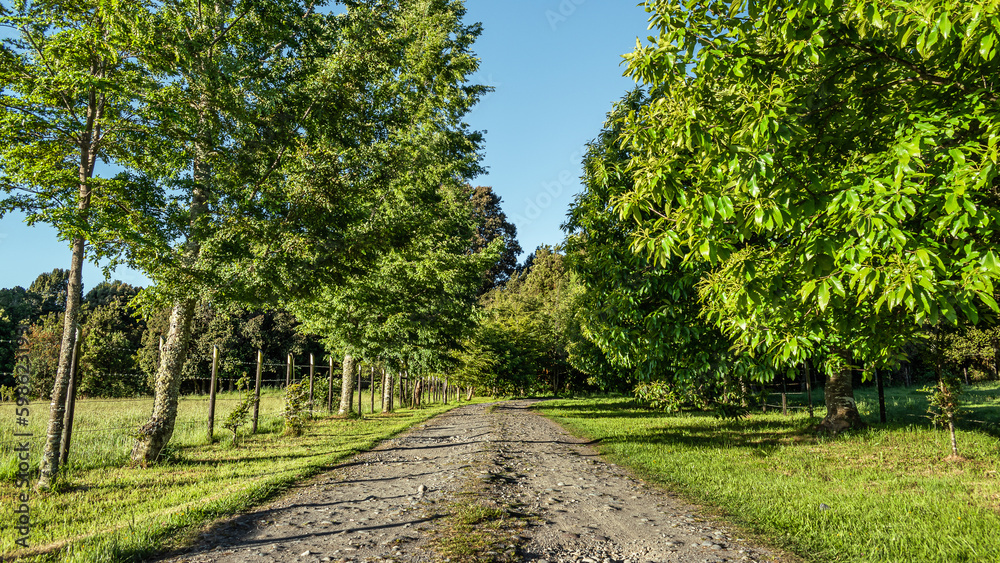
x=885 y=494
x=105 y=510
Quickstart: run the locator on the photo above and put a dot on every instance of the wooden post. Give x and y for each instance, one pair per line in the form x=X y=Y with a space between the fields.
x=256 y=391
x=784 y=394
x=312 y=376
x=809 y=386
x=329 y=390
x=68 y=415
x=211 y=394
x=881 y=396
x=402 y=389
x=360 y=412
x=288 y=371
x=372 y=389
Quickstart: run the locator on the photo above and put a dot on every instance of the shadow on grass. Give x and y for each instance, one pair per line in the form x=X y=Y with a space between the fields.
x=906 y=408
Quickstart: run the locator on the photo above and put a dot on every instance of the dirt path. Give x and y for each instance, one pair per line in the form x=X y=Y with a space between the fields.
x=399 y=503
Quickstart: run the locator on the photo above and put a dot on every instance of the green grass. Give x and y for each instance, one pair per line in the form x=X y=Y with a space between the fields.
x=891 y=493
x=105 y=510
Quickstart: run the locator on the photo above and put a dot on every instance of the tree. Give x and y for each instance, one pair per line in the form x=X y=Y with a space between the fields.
x=70 y=80
x=416 y=304
x=42 y=344
x=643 y=318
x=52 y=291
x=527 y=325
x=831 y=163
x=18 y=309
x=111 y=336
x=492 y=224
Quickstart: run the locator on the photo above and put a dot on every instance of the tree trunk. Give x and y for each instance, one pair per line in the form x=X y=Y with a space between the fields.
x=469 y=396
x=156 y=433
x=841 y=408
x=347 y=387
x=386 y=390
x=49 y=464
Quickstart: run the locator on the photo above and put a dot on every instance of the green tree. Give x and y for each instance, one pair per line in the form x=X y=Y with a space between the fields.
x=18 y=309
x=52 y=290
x=831 y=162
x=528 y=323
x=70 y=80
x=111 y=336
x=643 y=317
x=301 y=184
x=492 y=224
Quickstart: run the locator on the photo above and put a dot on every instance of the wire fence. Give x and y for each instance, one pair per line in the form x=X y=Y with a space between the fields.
x=104 y=429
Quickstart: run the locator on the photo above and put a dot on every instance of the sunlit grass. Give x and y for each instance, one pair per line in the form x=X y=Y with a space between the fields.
x=886 y=494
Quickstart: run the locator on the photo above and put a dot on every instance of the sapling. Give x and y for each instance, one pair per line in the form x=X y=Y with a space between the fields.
x=240 y=416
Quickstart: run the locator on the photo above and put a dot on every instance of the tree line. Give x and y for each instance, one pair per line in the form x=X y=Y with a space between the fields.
x=263 y=156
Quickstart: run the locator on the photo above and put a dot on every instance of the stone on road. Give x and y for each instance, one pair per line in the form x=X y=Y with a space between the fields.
x=391 y=504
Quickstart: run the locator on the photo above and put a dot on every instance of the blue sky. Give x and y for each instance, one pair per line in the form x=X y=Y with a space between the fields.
x=556 y=68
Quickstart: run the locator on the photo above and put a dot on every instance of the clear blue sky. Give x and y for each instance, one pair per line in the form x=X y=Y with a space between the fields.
x=556 y=68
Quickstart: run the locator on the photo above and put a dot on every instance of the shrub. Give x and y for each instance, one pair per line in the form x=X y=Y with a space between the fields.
x=296 y=407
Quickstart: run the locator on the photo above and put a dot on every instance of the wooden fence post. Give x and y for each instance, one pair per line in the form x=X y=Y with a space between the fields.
x=372 y=389
x=359 y=390
x=312 y=376
x=784 y=394
x=68 y=415
x=288 y=371
x=881 y=396
x=809 y=386
x=211 y=394
x=329 y=390
x=256 y=391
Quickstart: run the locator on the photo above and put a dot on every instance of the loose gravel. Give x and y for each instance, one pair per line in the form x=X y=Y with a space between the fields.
x=391 y=505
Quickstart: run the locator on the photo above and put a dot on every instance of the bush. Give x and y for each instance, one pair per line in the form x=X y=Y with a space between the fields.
x=296 y=407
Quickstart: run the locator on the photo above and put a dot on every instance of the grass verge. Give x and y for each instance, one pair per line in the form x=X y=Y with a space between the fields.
x=121 y=513
x=479 y=527
x=886 y=494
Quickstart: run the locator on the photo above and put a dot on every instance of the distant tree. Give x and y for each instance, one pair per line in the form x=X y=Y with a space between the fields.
x=112 y=336
x=492 y=224
x=43 y=338
x=18 y=310
x=528 y=323
x=51 y=289
x=106 y=292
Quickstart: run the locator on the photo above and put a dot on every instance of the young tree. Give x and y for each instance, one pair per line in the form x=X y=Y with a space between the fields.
x=69 y=83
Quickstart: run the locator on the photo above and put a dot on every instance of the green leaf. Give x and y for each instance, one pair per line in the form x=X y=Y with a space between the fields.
x=990 y=302
x=807 y=289
x=823 y=296
x=923 y=257
x=990 y=263
x=951 y=203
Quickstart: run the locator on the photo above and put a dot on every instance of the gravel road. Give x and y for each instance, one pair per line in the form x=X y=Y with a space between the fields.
x=397 y=503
